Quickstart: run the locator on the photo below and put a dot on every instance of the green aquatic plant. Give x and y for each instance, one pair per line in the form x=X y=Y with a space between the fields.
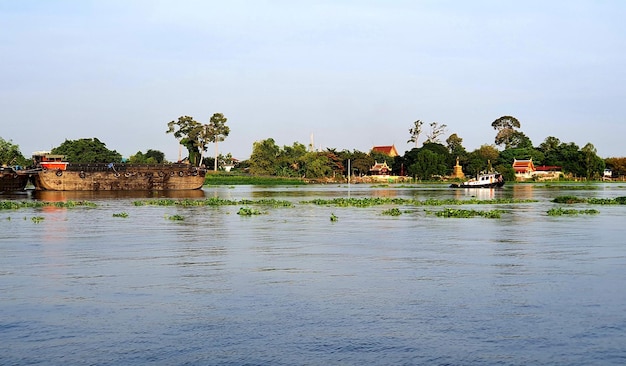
x=569 y=200
x=121 y=214
x=333 y=217
x=247 y=211
x=376 y=201
x=14 y=205
x=392 y=212
x=176 y=218
x=562 y=211
x=37 y=219
x=212 y=201
x=461 y=213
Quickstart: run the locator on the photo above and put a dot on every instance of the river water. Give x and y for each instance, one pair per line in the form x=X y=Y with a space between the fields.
x=80 y=286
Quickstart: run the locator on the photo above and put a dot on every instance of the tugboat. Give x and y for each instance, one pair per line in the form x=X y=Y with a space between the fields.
x=484 y=180
x=58 y=175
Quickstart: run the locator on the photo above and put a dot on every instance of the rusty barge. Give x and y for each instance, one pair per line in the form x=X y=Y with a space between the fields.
x=54 y=174
x=14 y=179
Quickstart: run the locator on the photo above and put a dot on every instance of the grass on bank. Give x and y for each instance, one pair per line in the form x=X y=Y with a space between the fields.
x=223 y=178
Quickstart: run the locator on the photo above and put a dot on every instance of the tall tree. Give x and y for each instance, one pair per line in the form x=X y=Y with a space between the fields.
x=436 y=130
x=593 y=164
x=264 y=157
x=415 y=131
x=217 y=131
x=506 y=126
x=189 y=133
x=455 y=145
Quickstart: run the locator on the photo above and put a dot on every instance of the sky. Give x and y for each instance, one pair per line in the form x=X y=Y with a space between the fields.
x=345 y=74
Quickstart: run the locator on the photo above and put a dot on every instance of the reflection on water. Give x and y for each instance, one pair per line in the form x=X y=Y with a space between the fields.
x=61 y=196
x=290 y=287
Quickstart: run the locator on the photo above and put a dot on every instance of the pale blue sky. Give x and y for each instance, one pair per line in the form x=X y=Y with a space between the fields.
x=352 y=73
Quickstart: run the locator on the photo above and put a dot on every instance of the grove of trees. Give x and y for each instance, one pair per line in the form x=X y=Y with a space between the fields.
x=431 y=160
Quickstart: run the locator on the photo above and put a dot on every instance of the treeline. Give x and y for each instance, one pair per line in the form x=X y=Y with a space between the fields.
x=431 y=160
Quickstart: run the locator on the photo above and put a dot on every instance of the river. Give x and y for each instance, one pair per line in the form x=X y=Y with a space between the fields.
x=123 y=283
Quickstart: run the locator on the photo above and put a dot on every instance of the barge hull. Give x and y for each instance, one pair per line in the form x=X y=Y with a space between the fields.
x=120 y=178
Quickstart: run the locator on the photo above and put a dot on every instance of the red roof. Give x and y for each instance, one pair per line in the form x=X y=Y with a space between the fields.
x=522 y=166
x=387 y=150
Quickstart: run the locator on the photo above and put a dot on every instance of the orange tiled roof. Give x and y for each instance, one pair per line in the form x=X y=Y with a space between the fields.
x=387 y=150
x=523 y=165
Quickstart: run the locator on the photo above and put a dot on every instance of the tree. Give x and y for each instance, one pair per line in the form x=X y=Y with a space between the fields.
x=217 y=131
x=519 y=140
x=264 y=157
x=505 y=126
x=315 y=165
x=150 y=157
x=436 y=130
x=592 y=163
x=10 y=154
x=415 y=131
x=190 y=134
x=480 y=159
x=156 y=155
x=455 y=145
x=360 y=163
x=87 y=151
x=427 y=165
x=618 y=165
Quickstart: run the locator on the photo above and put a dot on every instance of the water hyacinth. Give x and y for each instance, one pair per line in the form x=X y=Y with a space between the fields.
x=461 y=213
x=392 y=212
x=15 y=205
x=562 y=211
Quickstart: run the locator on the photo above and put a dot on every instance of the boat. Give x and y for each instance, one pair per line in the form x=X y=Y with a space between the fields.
x=483 y=180
x=13 y=179
x=55 y=174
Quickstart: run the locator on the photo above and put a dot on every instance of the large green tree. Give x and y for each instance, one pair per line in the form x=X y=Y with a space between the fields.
x=428 y=164
x=191 y=134
x=87 y=151
x=506 y=127
x=264 y=157
x=216 y=131
x=10 y=154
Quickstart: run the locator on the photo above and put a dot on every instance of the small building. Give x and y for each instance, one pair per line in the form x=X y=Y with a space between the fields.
x=524 y=169
x=387 y=150
x=380 y=169
x=547 y=172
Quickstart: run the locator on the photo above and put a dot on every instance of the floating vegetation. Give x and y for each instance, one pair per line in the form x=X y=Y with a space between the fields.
x=570 y=211
x=121 y=214
x=461 y=213
x=247 y=211
x=376 y=201
x=15 y=205
x=607 y=201
x=37 y=219
x=569 y=200
x=267 y=202
x=213 y=201
x=593 y=201
x=392 y=212
x=570 y=187
x=333 y=217
x=175 y=218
